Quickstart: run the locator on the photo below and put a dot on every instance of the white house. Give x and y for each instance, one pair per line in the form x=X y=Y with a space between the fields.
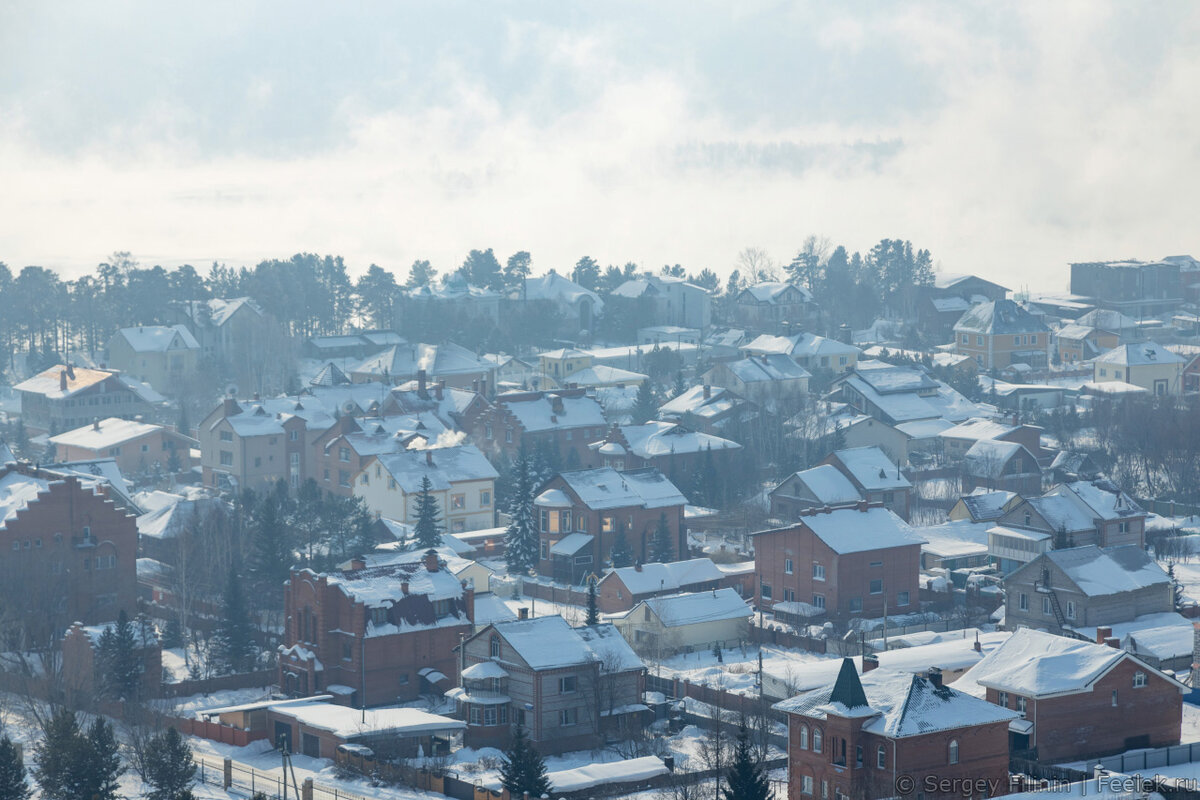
x=687 y=622
x=462 y=481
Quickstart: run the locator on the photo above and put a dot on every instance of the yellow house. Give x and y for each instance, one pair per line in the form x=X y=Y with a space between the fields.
x=1146 y=364
x=558 y=364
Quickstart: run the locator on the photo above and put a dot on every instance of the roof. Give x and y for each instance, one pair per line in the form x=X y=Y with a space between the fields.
x=606 y=488
x=828 y=485
x=329 y=375
x=986 y=504
x=436 y=359
x=955 y=539
x=222 y=310
x=349 y=723
x=19 y=490
x=899 y=703
x=653 y=439
x=380 y=586
x=556 y=288
x=444 y=466
x=1074 y=332
x=106 y=433
x=550 y=643
x=977 y=428
x=800 y=345
x=719 y=401
x=909 y=406
x=48 y=382
x=871 y=467
x=571 y=544
x=608 y=645
x=948 y=280
x=772 y=291
x=986 y=458
x=536 y=412
x=694 y=608
x=1107 y=320
x=1140 y=354
x=1106 y=571
x=887 y=378
x=666 y=577
x=159 y=338
x=998 y=317
x=851 y=530
x=767 y=367
x=600 y=374
x=484 y=670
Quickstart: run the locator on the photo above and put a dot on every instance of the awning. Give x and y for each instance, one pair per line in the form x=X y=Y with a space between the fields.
x=570 y=544
x=1021 y=726
x=432 y=675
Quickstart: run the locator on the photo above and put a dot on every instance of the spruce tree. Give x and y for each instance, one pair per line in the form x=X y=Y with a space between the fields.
x=428 y=532
x=523 y=769
x=233 y=640
x=13 y=785
x=100 y=767
x=645 y=405
x=662 y=549
x=272 y=551
x=56 y=756
x=521 y=538
x=622 y=553
x=593 y=611
x=745 y=778
x=170 y=769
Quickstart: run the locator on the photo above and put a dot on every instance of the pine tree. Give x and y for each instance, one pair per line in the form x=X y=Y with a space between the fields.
x=745 y=778
x=662 y=549
x=645 y=405
x=71 y=764
x=1176 y=587
x=521 y=538
x=622 y=553
x=593 y=611
x=523 y=769
x=170 y=769
x=13 y=785
x=233 y=640
x=125 y=665
x=428 y=532
x=172 y=636
x=101 y=766
x=272 y=556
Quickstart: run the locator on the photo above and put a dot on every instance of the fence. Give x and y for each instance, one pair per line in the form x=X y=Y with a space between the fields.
x=1149 y=759
x=242 y=680
x=1168 y=508
x=225 y=734
x=246 y=780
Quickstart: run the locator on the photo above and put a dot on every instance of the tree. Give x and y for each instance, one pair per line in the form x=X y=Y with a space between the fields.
x=622 y=553
x=272 y=555
x=70 y=764
x=233 y=640
x=523 y=769
x=376 y=292
x=517 y=269
x=482 y=269
x=745 y=778
x=645 y=405
x=428 y=531
x=170 y=769
x=587 y=273
x=120 y=665
x=1177 y=597
x=421 y=273
x=101 y=767
x=662 y=549
x=13 y=785
x=521 y=538
x=593 y=611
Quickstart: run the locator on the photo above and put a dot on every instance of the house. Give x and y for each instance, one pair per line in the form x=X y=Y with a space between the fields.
x=767 y=305
x=243 y=341
x=816 y=487
x=706 y=408
x=1078 y=343
x=874 y=476
x=1086 y=586
x=511 y=372
x=561 y=363
x=64 y=397
x=955 y=441
x=983 y=505
x=1137 y=288
x=562 y=422
x=1077 y=699
x=254 y=445
x=462 y=483
x=623 y=588
x=675 y=301
x=999 y=333
x=687 y=622
x=382 y=634
x=1105 y=319
x=1190 y=354
x=163 y=356
x=959 y=544
x=456 y=298
x=457 y=366
x=352 y=346
x=137 y=447
x=340 y=452
x=69 y=551
x=847 y=562
x=808 y=350
x=600 y=376
x=724 y=344
x=897 y=395
x=657 y=334
x=578 y=307
x=567 y=687
x=851 y=738
x=317 y=729
x=765 y=379
x=667 y=446
x=581 y=512
x=941 y=304
x=995 y=464
x=1146 y=364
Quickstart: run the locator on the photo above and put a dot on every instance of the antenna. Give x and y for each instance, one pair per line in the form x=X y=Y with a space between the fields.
x=348 y=407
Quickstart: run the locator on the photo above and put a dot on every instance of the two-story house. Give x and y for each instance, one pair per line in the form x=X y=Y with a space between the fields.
x=706 y=408
x=847 y=562
x=999 y=333
x=876 y=478
x=64 y=397
x=563 y=422
x=995 y=464
x=767 y=305
x=1148 y=365
x=567 y=687
x=163 y=356
x=254 y=445
x=667 y=446
x=902 y=395
x=808 y=350
x=1078 y=343
x=763 y=379
x=136 y=447
x=462 y=482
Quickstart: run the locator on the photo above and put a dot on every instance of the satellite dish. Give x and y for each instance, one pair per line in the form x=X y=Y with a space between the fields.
x=348 y=407
x=231 y=390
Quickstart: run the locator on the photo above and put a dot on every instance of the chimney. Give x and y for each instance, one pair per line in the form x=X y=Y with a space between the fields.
x=421 y=383
x=429 y=458
x=441 y=387
x=935 y=677
x=1102 y=634
x=637 y=566
x=257 y=397
x=475 y=386
x=978 y=644
x=231 y=407
x=95 y=423
x=707 y=391
x=62 y=381
x=556 y=404
x=431 y=560
x=1113 y=642
x=870 y=661
x=523 y=612
x=358 y=563
x=404 y=588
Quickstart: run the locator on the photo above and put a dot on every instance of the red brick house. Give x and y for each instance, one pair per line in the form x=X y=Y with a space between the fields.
x=875 y=476
x=388 y=631
x=67 y=552
x=580 y=512
x=844 y=562
x=565 y=422
x=1077 y=699
x=667 y=446
x=623 y=588
x=858 y=737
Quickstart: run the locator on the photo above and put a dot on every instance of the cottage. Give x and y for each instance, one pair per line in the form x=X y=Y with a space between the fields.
x=808 y=350
x=706 y=408
x=1147 y=365
x=561 y=423
x=137 y=447
x=64 y=397
x=767 y=305
x=623 y=588
x=874 y=476
x=686 y=622
x=164 y=356
x=1000 y=333
x=995 y=464
x=462 y=483
x=764 y=379
x=898 y=395
x=666 y=446
x=578 y=307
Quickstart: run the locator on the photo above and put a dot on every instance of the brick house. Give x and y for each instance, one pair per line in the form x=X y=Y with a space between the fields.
x=568 y=687
x=163 y=356
x=67 y=552
x=137 y=447
x=623 y=588
x=1000 y=333
x=852 y=739
x=580 y=512
x=1077 y=699
x=954 y=442
x=845 y=562
x=995 y=464
x=254 y=445
x=940 y=305
x=64 y=397
x=462 y=482
x=874 y=477
x=1078 y=343
x=667 y=446
x=766 y=306
x=1137 y=288
x=562 y=422
x=815 y=487
x=388 y=631
x=1087 y=586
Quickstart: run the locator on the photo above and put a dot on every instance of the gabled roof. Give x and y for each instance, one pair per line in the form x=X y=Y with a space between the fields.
x=767 y=367
x=987 y=458
x=828 y=485
x=719 y=401
x=886 y=378
x=1141 y=354
x=550 y=643
x=1107 y=320
x=666 y=577
x=1098 y=572
x=771 y=292
x=556 y=288
x=106 y=433
x=977 y=428
x=911 y=406
x=436 y=359
x=987 y=504
x=693 y=608
x=49 y=382
x=852 y=530
x=654 y=439
x=159 y=338
x=999 y=317
x=800 y=345
x=536 y=412
x=872 y=469
x=601 y=374
x=444 y=466
x=606 y=488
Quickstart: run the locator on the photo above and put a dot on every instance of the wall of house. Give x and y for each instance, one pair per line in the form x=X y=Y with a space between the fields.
x=109 y=398
x=699 y=636
x=134 y=456
x=1089 y=611
x=465 y=506
x=640 y=524
x=164 y=370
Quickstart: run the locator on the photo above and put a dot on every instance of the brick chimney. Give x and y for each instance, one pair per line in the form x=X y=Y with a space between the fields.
x=978 y=644
x=556 y=404
x=440 y=389
x=62 y=380
x=404 y=588
x=429 y=458
x=869 y=662
x=523 y=612
x=231 y=407
x=935 y=677
x=1113 y=642
x=1102 y=634
x=431 y=560
x=707 y=391
x=637 y=567
x=358 y=563
x=95 y=423
x=475 y=386
x=421 y=384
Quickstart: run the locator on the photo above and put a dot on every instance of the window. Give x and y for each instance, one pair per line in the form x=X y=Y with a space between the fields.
x=145 y=448
x=1114 y=698
x=508 y=435
x=1016 y=340
x=901 y=598
x=567 y=716
x=979 y=341
x=1139 y=680
x=765 y=591
x=1070 y=609
x=858 y=757
x=37 y=543
x=114 y=451
x=824 y=790
x=819 y=600
x=485 y=497
x=818 y=572
x=966 y=339
x=581 y=523
x=855 y=604
x=545 y=550
x=487 y=430
x=293 y=435
x=1023 y=601
x=564 y=521
x=1046 y=606
x=474 y=715
x=378 y=616
x=877 y=586
x=1122 y=527
x=954 y=751
x=881 y=757
x=226 y=436
x=489 y=715
x=566 y=684
x=458 y=501
x=806 y=784
x=1002 y=699
x=607 y=525
x=787 y=566
x=258 y=461
x=346 y=652
x=343 y=478
x=803 y=737
x=1021 y=701
x=344 y=454
x=16 y=546
x=816 y=740
x=226 y=458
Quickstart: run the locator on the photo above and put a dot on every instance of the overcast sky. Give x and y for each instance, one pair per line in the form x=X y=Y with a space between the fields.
x=1007 y=138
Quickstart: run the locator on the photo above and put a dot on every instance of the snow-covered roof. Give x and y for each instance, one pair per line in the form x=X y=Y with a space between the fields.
x=571 y=544
x=948 y=304
x=901 y=704
x=600 y=375
x=166 y=514
x=1107 y=320
x=666 y=577
x=1105 y=571
x=19 y=490
x=349 y=723
x=909 y=406
x=851 y=530
x=999 y=317
x=924 y=428
x=871 y=467
x=828 y=485
x=405 y=360
x=772 y=291
x=767 y=367
x=948 y=280
x=977 y=428
x=444 y=466
x=719 y=401
x=159 y=338
x=1139 y=354
x=329 y=375
x=49 y=382
x=553 y=498
x=987 y=504
x=556 y=288
x=987 y=458
x=887 y=378
x=693 y=608
x=955 y=539
x=550 y=643
x=105 y=433
x=800 y=345
x=1102 y=498
x=1074 y=332
x=579 y=779
x=221 y=310
x=537 y=413
x=609 y=647
x=653 y=439
x=484 y=670
x=605 y=488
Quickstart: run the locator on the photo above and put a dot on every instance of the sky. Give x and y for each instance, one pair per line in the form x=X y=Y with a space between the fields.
x=1009 y=139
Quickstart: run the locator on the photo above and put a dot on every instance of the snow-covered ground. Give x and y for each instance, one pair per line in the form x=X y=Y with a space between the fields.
x=738 y=668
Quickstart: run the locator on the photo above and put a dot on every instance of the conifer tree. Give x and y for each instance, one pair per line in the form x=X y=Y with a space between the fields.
x=622 y=553
x=13 y=785
x=272 y=551
x=662 y=549
x=593 y=611
x=428 y=531
x=233 y=641
x=645 y=405
x=101 y=766
x=521 y=538
x=170 y=768
x=745 y=778
x=70 y=763
x=523 y=769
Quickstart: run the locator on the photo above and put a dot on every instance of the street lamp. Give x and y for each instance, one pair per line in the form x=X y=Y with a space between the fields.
x=532 y=598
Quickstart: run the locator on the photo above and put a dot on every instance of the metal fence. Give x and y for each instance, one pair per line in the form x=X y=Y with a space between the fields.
x=1149 y=759
x=249 y=781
